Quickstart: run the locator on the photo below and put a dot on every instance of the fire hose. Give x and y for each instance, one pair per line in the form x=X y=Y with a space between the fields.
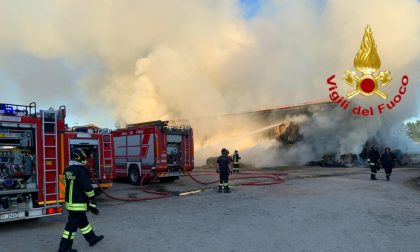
x=161 y=194
x=275 y=179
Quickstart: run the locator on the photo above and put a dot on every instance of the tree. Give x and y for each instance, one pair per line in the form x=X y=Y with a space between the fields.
x=413 y=130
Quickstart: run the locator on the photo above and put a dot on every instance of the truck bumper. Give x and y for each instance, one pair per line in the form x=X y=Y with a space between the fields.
x=168 y=174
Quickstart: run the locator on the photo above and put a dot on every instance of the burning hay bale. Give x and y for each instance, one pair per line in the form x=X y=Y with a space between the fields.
x=410 y=159
x=287 y=133
x=337 y=160
x=211 y=162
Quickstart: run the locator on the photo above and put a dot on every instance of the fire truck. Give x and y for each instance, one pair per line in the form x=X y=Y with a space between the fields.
x=34 y=150
x=98 y=146
x=153 y=150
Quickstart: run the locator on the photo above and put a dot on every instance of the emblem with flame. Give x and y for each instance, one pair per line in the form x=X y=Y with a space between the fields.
x=367 y=61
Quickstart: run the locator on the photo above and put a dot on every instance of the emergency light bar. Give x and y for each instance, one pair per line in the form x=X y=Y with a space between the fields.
x=6 y=109
x=19 y=110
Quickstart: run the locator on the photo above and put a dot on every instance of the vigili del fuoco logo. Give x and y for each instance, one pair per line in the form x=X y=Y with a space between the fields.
x=367 y=81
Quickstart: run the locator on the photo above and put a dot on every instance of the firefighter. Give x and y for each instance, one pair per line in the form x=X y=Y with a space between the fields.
x=79 y=199
x=236 y=158
x=224 y=170
x=388 y=160
x=373 y=159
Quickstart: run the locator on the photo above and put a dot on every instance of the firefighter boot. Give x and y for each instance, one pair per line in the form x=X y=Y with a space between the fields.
x=92 y=238
x=387 y=178
x=372 y=177
x=65 y=245
x=66 y=242
x=220 y=189
x=95 y=240
x=227 y=190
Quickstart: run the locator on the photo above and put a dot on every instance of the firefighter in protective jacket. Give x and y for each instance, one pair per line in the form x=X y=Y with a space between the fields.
x=388 y=162
x=236 y=158
x=79 y=200
x=374 y=159
x=224 y=170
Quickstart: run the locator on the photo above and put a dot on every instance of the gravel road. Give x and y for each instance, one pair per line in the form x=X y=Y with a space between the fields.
x=316 y=209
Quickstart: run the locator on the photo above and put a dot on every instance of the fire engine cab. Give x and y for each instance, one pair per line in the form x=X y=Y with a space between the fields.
x=34 y=150
x=154 y=150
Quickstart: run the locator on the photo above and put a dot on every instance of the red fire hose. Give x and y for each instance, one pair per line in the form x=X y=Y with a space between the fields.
x=275 y=179
x=161 y=194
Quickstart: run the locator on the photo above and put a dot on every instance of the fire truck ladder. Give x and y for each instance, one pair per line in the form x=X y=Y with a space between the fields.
x=107 y=153
x=187 y=151
x=49 y=137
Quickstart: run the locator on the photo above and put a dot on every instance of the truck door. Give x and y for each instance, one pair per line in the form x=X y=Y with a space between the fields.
x=91 y=148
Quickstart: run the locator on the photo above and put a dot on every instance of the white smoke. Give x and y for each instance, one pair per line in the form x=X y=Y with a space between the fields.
x=143 y=60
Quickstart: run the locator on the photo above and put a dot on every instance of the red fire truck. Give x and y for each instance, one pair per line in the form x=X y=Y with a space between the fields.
x=97 y=144
x=153 y=149
x=34 y=150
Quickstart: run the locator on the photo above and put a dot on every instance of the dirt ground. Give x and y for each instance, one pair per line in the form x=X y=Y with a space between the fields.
x=315 y=209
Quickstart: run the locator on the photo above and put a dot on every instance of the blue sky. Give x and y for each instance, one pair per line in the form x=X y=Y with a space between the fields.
x=250 y=8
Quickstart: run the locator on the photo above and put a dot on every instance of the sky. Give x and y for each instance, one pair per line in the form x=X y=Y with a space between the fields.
x=27 y=75
x=54 y=58
x=114 y=62
x=250 y=8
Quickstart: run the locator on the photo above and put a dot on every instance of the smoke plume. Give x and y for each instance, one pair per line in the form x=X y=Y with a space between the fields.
x=132 y=61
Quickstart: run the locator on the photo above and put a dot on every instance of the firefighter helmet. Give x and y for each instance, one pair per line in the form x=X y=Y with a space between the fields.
x=78 y=155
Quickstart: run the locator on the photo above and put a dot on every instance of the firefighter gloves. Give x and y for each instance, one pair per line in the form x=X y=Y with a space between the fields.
x=93 y=209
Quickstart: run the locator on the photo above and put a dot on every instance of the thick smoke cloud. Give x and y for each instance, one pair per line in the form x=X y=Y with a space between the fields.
x=131 y=61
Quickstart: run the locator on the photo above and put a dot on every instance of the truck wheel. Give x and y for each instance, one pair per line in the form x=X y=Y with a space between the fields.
x=134 y=175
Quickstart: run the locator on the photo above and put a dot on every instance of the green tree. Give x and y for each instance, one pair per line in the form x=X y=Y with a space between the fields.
x=413 y=130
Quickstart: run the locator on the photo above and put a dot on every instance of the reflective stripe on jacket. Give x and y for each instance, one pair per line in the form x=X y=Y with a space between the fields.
x=78 y=187
x=236 y=158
